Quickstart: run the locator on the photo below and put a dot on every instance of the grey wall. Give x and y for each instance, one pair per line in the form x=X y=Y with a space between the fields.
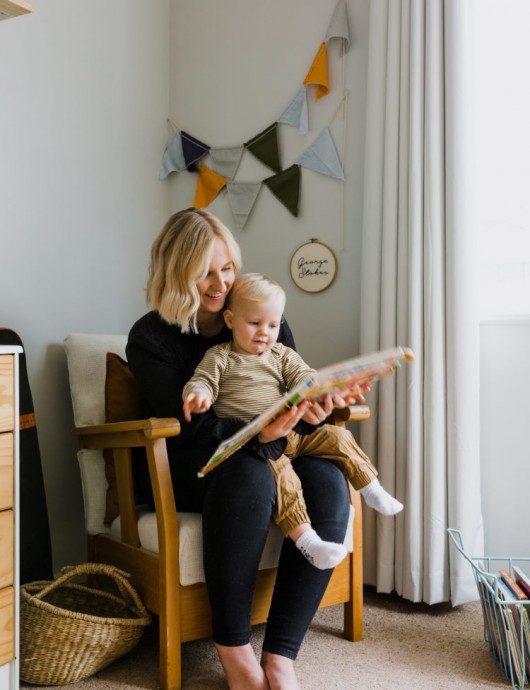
x=235 y=66
x=83 y=102
x=86 y=89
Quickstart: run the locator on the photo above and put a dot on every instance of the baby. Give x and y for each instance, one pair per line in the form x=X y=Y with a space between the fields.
x=244 y=377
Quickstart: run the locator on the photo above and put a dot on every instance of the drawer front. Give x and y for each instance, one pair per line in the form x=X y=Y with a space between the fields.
x=7 y=625
x=7 y=545
x=7 y=396
x=6 y=471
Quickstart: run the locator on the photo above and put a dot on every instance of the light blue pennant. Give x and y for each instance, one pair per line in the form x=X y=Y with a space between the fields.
x=322 y=156
x=173 y=159
x=296 y=113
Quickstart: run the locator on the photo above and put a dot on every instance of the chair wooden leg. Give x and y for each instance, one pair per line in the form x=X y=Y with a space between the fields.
x=169 y=573
x=170 y=649
x=353 y=609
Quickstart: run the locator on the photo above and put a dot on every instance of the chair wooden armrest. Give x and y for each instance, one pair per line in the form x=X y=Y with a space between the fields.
x=352 y=413
x=121 y=437
x=124 y=434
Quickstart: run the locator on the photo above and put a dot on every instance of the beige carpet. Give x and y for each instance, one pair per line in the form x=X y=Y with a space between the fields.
x=406 y=646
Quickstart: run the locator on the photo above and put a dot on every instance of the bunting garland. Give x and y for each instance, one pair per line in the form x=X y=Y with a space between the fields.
x=318 y=72
x=193 y=150
x=286 y=187
x=265 y=147
x=322 y=156
x=339 y=26
x=226 y=160
x=296 y=113
x=185 y=152
x=209 y=184
x=173 y=160
x=241 y=197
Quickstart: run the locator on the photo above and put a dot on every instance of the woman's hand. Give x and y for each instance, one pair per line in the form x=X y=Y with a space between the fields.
x=317 y=412
x=320 y=411
x=283 y=424
x=355 y=394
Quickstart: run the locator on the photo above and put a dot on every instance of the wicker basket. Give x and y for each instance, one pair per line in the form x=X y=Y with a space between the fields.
x=69 y=631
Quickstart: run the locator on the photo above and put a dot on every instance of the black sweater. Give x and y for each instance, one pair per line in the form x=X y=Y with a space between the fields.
x=163 y=359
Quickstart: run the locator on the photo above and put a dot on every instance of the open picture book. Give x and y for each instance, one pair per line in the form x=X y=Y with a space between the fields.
x=359 y=371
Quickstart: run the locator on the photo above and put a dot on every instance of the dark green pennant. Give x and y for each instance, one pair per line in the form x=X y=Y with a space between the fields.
x=265 y=147
x=286 y=187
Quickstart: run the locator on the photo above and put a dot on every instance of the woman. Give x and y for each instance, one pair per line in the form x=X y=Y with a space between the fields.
x=194 y=261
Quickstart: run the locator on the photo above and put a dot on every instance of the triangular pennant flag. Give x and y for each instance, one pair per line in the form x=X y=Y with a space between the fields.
x=322 y=156
x=286 y=187
x=209 y=184
x=173 y=159
x=226 y=160
x=265 y=147
x=339 y=26
x=318 y=72
x=296 y=113
x=241 y=197
x=193 y=150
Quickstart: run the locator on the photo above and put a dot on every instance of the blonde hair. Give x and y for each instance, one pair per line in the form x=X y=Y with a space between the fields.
x=180 y=257
x=256 y=287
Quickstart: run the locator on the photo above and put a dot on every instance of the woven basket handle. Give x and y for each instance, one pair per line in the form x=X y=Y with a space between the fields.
x=119 y=576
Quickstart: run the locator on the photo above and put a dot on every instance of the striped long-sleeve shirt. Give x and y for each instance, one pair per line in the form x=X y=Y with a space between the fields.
x=246 y=385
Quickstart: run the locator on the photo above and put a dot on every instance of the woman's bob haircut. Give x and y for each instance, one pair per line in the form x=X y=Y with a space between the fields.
x=180 y=257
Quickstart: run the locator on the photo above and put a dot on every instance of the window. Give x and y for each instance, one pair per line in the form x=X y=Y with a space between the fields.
x=502 y=154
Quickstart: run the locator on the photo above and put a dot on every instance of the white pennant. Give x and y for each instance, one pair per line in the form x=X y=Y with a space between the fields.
x=241 y=197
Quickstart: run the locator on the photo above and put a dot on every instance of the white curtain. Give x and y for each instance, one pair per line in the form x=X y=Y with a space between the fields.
x=419 y=290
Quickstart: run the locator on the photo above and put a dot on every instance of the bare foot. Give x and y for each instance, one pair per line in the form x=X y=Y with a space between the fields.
x=241 y=668
x=280 y=672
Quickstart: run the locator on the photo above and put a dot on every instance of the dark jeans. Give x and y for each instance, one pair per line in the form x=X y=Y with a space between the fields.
x=237 y=499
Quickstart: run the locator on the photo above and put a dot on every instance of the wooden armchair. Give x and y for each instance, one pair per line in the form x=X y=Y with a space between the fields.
x=163 y=550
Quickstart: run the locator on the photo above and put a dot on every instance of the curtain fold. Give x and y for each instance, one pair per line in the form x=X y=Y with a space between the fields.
x=419 y=290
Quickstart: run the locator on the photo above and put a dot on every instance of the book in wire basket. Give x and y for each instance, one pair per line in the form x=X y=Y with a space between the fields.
x=358 y=371
x=501 y=583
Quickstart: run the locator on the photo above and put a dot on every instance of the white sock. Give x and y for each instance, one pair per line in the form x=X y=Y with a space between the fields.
x=321 y=554
x=379 y=499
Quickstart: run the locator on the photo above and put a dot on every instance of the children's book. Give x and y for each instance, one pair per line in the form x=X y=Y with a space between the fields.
x=512 y=585
x=522 y=579
x=516 y=620
x=359 y=371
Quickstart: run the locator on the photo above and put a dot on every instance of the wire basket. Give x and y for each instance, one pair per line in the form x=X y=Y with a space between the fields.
x=506 y=617
x=69 y=631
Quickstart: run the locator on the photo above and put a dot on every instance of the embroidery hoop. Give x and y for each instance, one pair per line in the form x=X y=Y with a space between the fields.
x=313 y=266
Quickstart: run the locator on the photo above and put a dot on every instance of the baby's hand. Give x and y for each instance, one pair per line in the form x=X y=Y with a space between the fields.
x=195 y=403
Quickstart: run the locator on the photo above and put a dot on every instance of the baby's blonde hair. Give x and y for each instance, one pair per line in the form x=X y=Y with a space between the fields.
x=256 y=287
x=180 y=257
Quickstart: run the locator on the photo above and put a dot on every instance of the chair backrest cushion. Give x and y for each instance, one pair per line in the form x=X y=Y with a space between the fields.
x=86 y=357
x=122 y=397
x=122 y=403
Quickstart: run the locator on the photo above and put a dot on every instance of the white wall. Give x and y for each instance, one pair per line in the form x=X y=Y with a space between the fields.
x=505 y=448
x=235 y=67
x=83 y=101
